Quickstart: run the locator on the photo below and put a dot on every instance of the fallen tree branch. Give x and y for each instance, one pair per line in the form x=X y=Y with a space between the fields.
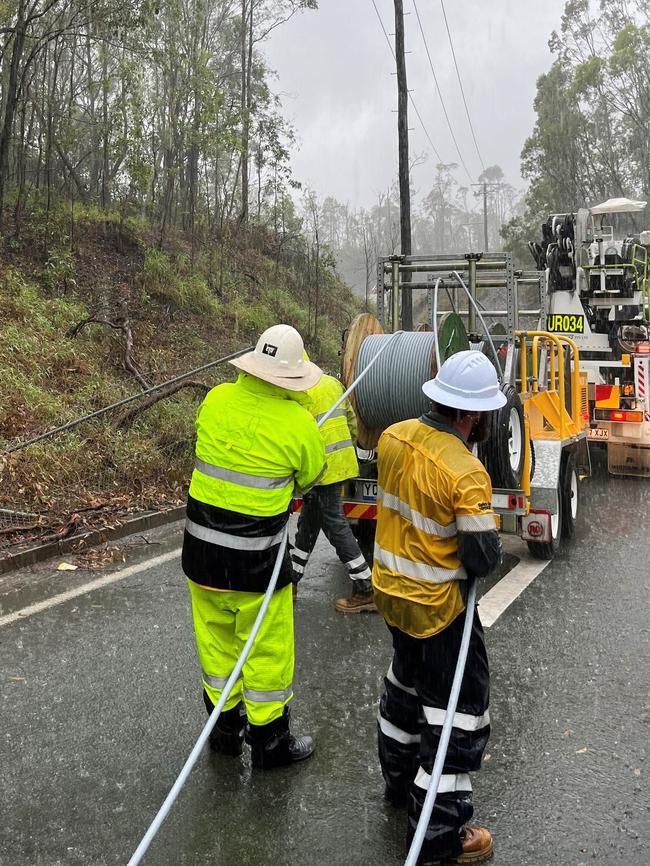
x=130 y=414
x=66 y=530
x=11 y=530
x=119 y=323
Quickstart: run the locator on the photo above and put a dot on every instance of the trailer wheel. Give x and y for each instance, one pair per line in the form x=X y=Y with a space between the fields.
x=364 y=532
x=503 y=452
x=569 y=492
x=548 y=549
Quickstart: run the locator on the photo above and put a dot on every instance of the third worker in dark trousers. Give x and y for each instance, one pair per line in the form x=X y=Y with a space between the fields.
x=435 y=529
x=322 y=507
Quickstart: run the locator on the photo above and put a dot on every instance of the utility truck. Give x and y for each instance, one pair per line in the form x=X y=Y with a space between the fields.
x=597 y=293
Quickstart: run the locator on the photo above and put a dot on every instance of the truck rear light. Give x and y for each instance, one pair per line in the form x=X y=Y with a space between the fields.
x=620 y=415
x=642 y=349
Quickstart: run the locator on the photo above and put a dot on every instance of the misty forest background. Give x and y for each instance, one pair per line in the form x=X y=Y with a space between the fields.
x=150 y=221
x=165 y=111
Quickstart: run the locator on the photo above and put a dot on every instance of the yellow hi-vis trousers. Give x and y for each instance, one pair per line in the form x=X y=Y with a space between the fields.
x=222 y=623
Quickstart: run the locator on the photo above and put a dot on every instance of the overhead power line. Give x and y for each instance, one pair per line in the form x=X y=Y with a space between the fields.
x=442 y=101
x=460 y=82
x=412 y=101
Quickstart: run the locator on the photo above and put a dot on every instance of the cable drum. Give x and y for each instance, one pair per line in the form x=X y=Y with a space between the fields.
x=392 y=390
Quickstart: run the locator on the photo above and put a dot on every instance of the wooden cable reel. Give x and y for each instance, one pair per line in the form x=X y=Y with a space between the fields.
x=452 y=338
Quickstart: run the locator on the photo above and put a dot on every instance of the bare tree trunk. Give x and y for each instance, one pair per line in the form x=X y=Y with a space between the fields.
x=11 y=101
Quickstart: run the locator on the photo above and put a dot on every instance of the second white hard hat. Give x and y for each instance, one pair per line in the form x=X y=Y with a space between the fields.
x=278 y=359
x=466 y=381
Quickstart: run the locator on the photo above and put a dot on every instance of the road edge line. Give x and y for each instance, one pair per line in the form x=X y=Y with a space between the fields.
x=508 y=589
x=85 y=588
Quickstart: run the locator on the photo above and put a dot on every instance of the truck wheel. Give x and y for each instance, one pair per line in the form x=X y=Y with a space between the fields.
x=548 y=549
x=364 y=532
x=569 y=491
x=503 y=452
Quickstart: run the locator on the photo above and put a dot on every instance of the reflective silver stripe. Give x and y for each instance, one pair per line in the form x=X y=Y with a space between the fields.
x=395 y=733
x=313 y=483
x=266 y=697
x=417 y=570
x=340 y=413
x=338 y=446
x=476 y=522
x=463 y=721
x=297 y=567
x=390 y=676
x=215 y=682
x=366 y=574
x=449 y=782
x=355 y=563
x=259 y=482
x=419 y=521
x=235 y=542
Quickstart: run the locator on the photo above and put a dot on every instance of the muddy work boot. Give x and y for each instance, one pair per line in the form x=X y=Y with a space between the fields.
x=361 y=599
x=273 y=745
x=477 y=847
x=227 y=736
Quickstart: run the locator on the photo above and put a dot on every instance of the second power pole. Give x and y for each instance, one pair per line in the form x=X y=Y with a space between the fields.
x=403 y=152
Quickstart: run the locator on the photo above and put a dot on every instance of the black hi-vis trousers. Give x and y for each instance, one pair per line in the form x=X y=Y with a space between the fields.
x=411 y=715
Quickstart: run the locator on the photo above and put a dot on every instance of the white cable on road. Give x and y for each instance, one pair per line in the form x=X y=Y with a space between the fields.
x=441 y=754
x=214 y=715
x=176 y=788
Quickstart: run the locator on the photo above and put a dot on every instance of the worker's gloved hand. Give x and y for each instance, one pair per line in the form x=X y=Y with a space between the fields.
x=479 y=552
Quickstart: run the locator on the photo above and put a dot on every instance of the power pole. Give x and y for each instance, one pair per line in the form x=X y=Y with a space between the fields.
x=403 y=152
x=485 y=224
x=483 y=190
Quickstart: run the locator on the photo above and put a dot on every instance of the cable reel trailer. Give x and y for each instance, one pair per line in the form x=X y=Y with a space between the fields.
x=537 y=450
x=597 y=293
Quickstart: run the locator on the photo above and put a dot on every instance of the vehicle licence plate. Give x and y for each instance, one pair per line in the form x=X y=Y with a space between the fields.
x=366 y=491
x=560 y=323
x=597 y=433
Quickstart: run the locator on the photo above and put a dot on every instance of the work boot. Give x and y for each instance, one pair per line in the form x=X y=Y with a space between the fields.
x=227 y=736
x=273 y=745
x=477 y=847
x=360 y=600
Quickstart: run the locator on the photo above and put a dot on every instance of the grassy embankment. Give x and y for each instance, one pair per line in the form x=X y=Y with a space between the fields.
x=61 y=271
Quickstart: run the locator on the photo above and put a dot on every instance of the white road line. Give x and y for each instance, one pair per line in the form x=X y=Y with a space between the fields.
x=114 y=577
x=510 y=587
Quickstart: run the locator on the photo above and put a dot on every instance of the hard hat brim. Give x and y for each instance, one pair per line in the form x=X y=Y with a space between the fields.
x=458 y=401
x=310 y=373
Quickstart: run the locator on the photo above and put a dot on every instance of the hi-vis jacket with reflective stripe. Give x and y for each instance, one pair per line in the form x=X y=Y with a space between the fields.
x=339 y=432
x=434 y=496
x=254 y=443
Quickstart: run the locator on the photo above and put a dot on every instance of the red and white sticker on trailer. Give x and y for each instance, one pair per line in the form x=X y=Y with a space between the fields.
x=642 y=384
x=536 y=526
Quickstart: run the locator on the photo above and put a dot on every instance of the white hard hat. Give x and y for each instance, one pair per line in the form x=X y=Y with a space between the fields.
x=467 y=381
x=278 y=358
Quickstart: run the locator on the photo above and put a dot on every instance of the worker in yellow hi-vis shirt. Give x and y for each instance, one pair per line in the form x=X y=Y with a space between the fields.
x=255 y=444
x=322 y=506
x=436 y=527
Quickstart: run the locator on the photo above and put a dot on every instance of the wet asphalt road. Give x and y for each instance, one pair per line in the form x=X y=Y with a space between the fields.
x=100 y=705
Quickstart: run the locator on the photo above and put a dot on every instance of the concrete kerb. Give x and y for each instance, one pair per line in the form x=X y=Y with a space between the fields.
x=78 y=543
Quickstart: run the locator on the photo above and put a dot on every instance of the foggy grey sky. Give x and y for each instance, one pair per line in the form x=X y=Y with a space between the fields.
x=334 y=74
